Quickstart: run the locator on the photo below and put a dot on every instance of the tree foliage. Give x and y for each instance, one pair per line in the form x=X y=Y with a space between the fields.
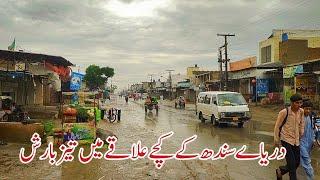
x=96 y=77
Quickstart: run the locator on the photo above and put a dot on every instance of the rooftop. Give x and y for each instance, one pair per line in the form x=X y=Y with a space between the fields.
x=33 y=57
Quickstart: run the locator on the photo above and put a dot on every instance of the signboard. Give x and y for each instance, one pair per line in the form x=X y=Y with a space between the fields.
x=288 y=92
x=20 y=67
x=247 y=73
x=83 y=132
x=289 y=72
x=262 y=87
x=76 y=81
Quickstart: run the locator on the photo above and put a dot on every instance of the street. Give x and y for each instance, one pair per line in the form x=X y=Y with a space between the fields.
x=135 y=126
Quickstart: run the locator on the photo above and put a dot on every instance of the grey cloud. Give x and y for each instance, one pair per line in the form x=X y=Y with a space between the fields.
x=181 y=36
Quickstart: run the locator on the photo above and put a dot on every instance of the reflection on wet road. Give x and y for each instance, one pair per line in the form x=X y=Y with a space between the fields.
x=136 y=125
x=185 y=124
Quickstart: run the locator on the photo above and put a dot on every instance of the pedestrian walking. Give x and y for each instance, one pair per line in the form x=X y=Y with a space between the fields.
x=288 y=131
x=308 y=139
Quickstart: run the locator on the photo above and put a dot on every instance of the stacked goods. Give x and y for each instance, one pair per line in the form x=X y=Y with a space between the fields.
x=70 y=111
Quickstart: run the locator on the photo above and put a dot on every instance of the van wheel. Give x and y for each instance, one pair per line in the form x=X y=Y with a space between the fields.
x=240 y=125
x=5 y=117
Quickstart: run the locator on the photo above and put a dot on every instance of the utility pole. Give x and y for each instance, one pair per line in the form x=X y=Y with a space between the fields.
x=170 y=80
x=220 y=60
x=151 y=75
x=151 y=87
x=226 y=58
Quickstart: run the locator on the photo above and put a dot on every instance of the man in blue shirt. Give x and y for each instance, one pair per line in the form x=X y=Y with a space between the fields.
x=307 y=140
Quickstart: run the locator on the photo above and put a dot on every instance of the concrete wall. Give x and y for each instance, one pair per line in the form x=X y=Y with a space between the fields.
x=312 y=37
x=190 y=71
x=293 y=51
x=313 y=53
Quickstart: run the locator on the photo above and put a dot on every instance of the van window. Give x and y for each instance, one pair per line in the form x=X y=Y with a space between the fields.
x=207 y=99
x=214 y=98
x=231 y=100
x=200 y=99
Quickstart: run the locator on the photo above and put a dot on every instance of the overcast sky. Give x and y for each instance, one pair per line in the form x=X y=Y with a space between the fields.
x=141 y=37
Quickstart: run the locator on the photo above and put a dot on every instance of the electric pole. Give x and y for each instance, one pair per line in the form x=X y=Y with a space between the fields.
x=226 y=58
x=151 y=75
x=220 y=60
x=170 y=81
x=151 y=87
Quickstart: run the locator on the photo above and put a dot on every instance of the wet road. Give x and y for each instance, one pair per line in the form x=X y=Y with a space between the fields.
x=135 y=125
x=185 y=124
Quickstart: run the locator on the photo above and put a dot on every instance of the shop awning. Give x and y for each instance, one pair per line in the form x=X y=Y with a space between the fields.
x=274 y=65
x=33 y=57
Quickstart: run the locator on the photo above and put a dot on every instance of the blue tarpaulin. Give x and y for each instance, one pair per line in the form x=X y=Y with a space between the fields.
x=262 y=87
x=76 y=80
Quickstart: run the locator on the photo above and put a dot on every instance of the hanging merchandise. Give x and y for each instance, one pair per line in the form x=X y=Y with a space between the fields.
x=63 y=72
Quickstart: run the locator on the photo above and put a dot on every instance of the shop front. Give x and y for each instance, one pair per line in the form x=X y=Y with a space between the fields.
x=299 y=80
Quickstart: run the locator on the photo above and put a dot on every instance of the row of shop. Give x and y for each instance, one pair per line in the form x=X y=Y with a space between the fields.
x=32 y=79
x=273 y=82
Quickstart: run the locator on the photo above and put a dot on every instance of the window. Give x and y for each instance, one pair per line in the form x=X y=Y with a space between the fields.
x=231 y=99
x=214 y=99
x=207 y=99
x=266 y=54
x=200 y=99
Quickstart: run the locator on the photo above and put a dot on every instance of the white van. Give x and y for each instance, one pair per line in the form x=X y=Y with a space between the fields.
x=222 y=107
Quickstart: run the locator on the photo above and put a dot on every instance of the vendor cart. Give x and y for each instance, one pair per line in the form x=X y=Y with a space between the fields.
x=80 y=115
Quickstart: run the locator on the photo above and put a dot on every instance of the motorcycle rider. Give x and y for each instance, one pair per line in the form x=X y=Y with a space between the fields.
x=148 y=101
x=181 y=100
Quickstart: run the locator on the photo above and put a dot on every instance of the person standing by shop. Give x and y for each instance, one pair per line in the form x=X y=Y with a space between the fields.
x=288 y=131
x=307 y=140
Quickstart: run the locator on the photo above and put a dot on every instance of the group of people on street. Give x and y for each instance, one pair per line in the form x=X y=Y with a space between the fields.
x=294 y=130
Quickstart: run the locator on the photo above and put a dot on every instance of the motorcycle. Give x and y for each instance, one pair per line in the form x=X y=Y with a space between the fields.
x=151 y=106
x=180 y=103
x=17 y=115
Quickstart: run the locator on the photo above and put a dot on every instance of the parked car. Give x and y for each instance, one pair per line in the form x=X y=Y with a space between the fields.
x=180 y=102
x=223 y=107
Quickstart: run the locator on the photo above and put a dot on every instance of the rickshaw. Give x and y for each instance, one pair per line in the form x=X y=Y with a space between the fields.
x=151 y=105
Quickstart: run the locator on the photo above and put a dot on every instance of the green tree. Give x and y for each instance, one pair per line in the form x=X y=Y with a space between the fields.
x=96 y=77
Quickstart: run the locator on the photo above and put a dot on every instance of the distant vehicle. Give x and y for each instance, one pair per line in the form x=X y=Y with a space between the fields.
x=180 y=102
x=151 y=104
x=223 y=107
